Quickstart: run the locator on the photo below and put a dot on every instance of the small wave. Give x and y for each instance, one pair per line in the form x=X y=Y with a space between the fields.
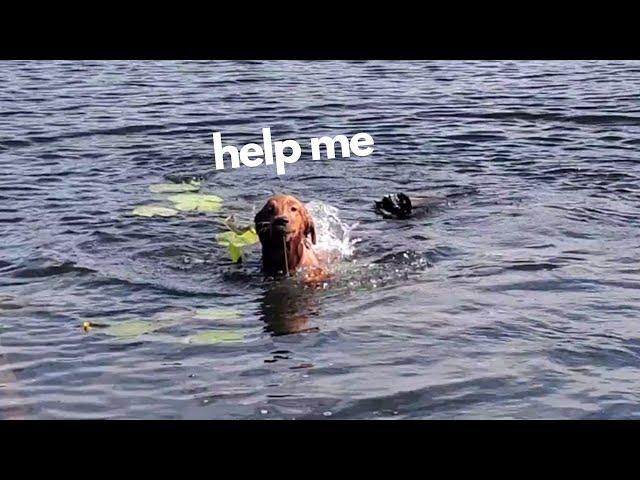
x=580 y=119
x=41 y=270
x=333 y=235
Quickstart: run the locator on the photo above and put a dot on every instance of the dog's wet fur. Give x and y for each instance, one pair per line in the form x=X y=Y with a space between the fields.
x=287 y=234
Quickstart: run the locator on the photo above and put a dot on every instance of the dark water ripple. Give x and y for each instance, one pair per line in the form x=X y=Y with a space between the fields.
x=519 y=298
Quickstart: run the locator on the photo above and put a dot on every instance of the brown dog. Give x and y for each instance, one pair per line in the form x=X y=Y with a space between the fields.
x=287 y=232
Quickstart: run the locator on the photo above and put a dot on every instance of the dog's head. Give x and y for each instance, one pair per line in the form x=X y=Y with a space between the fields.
x=284 y=216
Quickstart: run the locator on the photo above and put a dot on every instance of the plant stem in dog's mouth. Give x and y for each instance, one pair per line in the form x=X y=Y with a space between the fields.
x=286 y=260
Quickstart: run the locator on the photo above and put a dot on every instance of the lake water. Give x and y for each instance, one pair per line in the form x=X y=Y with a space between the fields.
x=517 y=298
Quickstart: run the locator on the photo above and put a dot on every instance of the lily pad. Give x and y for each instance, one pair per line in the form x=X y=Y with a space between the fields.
x=199 y=202
x=173 y=316
x=216 y=314
x=131 y=328
x=249 y=237
x=211 y=337
x=164 y=338
x=232 y=238
x=234 y=242
x=235 y=253
x=174 y=187
x=153 y=211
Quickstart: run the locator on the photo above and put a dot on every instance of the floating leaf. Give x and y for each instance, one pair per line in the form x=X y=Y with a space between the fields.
x=173 y=316
x=174 y=187
x=235 y=253
x=164 y=338
x=215 y=336
x=153 y=211
x=235 y=242
x=249 y=237
x=232 y=238
x=216 y=314
x=196 y=202
x=131 y=328
x=227 y=238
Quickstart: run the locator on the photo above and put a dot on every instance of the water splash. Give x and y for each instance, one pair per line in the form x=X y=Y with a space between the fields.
x=333 y=235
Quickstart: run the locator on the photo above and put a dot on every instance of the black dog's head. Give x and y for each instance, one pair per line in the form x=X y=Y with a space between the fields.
x=396 y=205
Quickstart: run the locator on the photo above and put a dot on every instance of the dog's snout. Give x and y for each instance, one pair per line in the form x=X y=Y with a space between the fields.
x=280 y=221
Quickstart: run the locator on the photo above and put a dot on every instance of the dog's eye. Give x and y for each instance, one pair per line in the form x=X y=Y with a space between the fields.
x=294 y=209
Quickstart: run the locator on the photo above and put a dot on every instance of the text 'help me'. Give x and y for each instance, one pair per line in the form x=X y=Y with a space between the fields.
x=288 y=151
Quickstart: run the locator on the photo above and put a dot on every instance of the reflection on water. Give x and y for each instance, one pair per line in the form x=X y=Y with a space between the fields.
x=288 y=307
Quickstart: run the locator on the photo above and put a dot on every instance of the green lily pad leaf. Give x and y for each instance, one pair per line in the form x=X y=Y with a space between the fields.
x=172 y=317
x=199 y=202
x=216 y=314
x=174 y=187
x=164 y=338
x=153 y=211
x=249 y=237
x=234 y=242
x=208 y=207
x=226 y=238
x=132 y=328
x=235 y=253
x=215 y=336
x=232 y=238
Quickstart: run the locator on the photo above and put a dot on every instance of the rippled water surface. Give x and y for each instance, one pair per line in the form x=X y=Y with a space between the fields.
x=516 y=298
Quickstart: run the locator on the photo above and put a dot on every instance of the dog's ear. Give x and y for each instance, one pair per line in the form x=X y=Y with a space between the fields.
x=258 y=218
x=309 y=226
x=261 y=217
